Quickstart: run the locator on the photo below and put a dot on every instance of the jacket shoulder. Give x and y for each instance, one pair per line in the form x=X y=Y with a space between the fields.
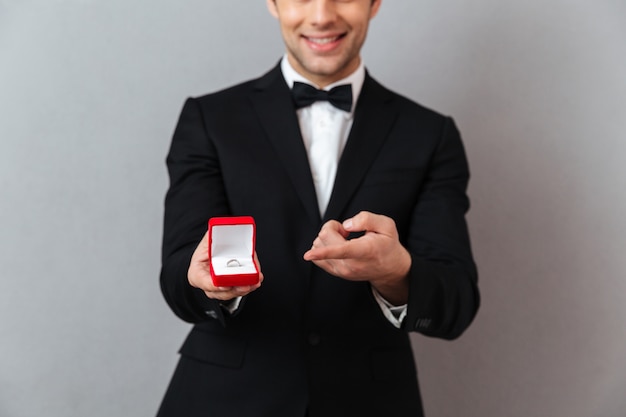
x=240 y=91
x=403 y=103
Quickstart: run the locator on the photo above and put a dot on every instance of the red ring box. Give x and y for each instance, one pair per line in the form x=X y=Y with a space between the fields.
x=232 y=238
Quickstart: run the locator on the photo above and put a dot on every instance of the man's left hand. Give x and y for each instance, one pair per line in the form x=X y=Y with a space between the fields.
x=377 y=256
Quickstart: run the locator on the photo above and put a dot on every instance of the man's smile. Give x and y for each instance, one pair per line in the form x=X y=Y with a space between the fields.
x=323 y=43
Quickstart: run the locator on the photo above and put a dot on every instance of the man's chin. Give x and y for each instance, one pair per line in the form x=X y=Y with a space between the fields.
x=328 y=70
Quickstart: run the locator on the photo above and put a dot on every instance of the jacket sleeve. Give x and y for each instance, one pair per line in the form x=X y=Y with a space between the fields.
x=195 y=194
x=443 y=294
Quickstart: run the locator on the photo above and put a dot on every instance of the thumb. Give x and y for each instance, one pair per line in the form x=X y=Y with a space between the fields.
x=366 y=221
x=363 y=221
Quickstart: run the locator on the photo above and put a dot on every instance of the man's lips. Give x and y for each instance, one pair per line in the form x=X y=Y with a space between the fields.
x=324 y=43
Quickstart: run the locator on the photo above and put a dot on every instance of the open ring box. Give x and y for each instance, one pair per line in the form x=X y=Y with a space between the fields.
x=232 y=238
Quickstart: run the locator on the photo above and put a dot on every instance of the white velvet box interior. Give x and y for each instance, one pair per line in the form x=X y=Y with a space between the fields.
x=232 y=242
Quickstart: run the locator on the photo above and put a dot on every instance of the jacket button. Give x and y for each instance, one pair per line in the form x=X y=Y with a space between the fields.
x=314 y=339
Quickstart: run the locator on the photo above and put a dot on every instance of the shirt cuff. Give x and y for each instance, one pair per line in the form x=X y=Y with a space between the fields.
x=395 y=314
x=232 y=305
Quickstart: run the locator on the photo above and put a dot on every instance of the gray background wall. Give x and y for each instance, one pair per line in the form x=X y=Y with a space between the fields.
x=89 y=95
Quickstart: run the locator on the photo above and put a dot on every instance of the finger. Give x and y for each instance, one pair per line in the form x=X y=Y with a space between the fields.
x=228 y=293
x=347 y=249
x=371 y=222
x=332 y=231
x=199 y=276
x=222 y=296
x=349 y=269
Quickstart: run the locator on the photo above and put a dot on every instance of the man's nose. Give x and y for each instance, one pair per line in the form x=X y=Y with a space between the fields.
x=323 y=12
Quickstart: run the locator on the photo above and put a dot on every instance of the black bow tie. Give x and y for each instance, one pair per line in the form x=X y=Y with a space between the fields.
x=305 y=95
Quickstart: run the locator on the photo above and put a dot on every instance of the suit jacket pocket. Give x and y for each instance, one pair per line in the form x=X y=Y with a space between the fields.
x=214 y=348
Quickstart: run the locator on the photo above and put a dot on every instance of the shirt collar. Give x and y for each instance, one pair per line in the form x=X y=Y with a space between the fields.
x=355 y=79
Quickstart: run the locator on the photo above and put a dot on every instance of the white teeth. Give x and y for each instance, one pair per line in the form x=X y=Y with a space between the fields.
x=323 y=41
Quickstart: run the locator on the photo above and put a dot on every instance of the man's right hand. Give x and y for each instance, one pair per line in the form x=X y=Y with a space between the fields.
x=199 y=275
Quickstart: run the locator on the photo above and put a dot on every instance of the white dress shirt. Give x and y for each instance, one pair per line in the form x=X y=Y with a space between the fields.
x=325 y=130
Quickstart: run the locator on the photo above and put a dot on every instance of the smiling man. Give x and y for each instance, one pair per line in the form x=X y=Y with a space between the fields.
x=359 y=199
x=324 y=40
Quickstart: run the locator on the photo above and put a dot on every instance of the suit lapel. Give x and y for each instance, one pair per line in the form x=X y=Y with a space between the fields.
x=272 y=102
x=373 y=119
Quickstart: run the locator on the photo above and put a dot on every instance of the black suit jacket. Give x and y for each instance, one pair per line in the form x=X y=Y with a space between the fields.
x=307 y=340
